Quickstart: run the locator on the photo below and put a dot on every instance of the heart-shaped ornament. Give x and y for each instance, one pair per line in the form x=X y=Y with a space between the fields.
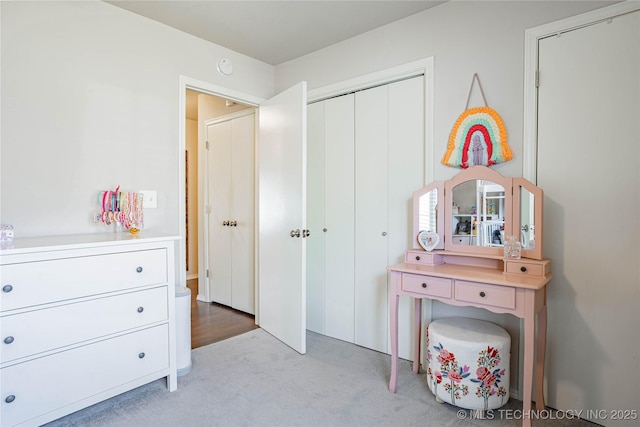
x=428 y=240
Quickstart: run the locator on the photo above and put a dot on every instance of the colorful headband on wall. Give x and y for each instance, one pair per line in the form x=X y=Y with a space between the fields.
x=478 y=137
x=121 y=208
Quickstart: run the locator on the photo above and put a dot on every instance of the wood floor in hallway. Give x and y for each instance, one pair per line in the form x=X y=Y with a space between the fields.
x=211 y=322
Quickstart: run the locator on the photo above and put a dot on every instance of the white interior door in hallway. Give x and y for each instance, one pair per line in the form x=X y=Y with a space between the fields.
x=231 y=210
x=587 y=164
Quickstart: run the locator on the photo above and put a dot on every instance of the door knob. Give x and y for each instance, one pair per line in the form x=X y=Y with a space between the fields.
x=225 y=223
x=295 y=233
x=306 y=233
x=384 y=233
x=233 y=223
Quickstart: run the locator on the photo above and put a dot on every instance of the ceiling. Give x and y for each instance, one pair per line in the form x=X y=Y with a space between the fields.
x=275 y=31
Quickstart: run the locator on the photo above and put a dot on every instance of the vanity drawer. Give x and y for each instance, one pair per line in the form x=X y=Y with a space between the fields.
x=479 y=293
x=47 y=329
x=528 y=268
x=50 y=383
x=41 y=282
x=423 y=257
x=426 y=285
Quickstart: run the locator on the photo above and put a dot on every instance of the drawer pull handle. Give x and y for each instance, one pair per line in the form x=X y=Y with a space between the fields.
x=418 y=258
x=424 y=285
x=7 y=288
x=141 y=355
x=10 y=398
x=139 y=269
x=523 y=269
x=140 y=309
x=8 y=340
x=482 y=294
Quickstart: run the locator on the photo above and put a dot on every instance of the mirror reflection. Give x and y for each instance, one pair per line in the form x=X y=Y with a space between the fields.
x=428 y=211
x=478 y=214
x=527 y=215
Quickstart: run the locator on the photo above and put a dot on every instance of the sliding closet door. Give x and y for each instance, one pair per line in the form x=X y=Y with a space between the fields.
x=406 y=175
x=367 y=149
x=315 y=219
x=339 y=217
x=372 y=219
x=330 y=218
x=389 y=142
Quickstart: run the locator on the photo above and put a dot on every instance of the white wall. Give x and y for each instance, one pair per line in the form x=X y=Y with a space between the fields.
x=464 y=37
x=90 y=101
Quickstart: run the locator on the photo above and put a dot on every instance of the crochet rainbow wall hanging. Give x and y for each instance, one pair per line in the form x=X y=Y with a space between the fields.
x=478 y=137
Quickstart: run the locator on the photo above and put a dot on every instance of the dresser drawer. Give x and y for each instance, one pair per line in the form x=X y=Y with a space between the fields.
x=53 y=382
x=479 y=293
x=426 y=285
x=47 y=329
x=41 y=282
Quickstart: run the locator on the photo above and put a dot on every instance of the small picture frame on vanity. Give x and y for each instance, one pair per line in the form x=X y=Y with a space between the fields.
x=428 y=240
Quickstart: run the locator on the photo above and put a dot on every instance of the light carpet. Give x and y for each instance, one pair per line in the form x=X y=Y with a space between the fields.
x=255 y=380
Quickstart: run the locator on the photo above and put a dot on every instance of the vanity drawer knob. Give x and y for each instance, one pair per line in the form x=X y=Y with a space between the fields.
x=7 y=288
x=417 y=257
x=8 y=340
x=482 y=294
x=424 y=285
x=140 y=309
x=139 y=269
x=141 y=355
x=523 y=269
x=10 y=398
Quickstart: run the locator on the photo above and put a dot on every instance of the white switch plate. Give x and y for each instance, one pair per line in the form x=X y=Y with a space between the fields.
x=149 y=199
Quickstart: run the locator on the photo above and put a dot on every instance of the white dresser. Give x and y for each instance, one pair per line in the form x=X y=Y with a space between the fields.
x=82 y=319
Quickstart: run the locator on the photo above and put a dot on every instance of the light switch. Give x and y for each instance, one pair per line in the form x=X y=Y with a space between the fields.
x=149 y=199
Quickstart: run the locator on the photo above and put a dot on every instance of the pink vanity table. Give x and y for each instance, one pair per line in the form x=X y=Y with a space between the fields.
x=478 y=275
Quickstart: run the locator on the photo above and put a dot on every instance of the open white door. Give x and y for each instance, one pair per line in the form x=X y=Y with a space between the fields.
x=282 y=164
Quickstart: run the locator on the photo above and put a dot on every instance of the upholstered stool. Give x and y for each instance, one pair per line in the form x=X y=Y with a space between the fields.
x=468 y=363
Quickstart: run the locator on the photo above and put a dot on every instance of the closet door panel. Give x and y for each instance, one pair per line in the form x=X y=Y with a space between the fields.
x=371 y=214
x=339 y=217
x=406 y=174
x=243 y=213
x=315 y=218
x=219 y=192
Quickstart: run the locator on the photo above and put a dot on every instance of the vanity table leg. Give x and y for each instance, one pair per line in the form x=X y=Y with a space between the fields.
x=529 y=353
x=541 y=349
x=393 y=320
x=417 y=327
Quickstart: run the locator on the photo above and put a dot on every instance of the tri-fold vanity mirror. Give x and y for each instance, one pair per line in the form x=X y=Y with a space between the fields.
x=476 y=210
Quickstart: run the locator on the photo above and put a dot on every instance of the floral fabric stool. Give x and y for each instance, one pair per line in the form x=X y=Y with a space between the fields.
x=468 y=363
